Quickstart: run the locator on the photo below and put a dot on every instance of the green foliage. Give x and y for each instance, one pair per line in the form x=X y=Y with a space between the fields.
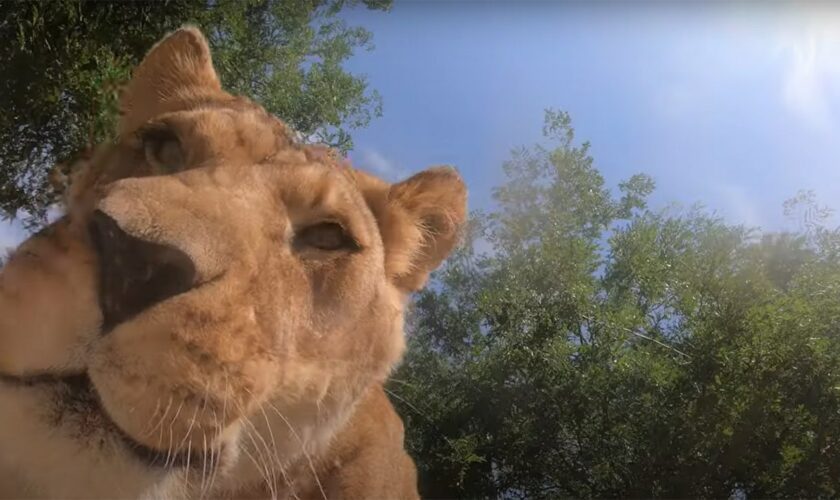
x=63 y=60
x=601 y=349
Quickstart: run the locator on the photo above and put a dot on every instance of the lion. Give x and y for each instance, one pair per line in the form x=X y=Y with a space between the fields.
x=218 y=310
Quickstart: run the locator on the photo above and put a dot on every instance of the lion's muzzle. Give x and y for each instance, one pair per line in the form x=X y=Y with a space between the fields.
x=135 y=274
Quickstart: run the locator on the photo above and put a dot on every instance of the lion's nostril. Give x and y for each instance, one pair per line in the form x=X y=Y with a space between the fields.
x=135 y=274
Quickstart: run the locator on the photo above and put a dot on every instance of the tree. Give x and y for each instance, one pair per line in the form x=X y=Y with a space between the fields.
x=63 y=61
x=602 y=349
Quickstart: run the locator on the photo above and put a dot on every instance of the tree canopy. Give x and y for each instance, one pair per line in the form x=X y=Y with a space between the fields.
x=63 y=61
x=603 y=349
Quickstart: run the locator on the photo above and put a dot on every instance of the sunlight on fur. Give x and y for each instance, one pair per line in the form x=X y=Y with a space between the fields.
x=216 y=313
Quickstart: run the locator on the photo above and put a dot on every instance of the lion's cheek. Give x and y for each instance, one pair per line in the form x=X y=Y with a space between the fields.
x=48 y=303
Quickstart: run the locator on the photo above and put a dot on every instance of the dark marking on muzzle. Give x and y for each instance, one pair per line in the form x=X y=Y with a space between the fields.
x=77 y=403
x=135 y=274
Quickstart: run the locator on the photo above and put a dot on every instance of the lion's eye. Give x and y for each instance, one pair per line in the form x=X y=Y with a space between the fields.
x=325 y=236
x=162 y=149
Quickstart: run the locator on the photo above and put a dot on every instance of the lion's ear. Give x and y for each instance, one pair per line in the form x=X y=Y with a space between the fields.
x=175 y=74
x=420 y=220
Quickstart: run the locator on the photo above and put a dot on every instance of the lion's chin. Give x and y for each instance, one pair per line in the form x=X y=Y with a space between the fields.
x=80 y=397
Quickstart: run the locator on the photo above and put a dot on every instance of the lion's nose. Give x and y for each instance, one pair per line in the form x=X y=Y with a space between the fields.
x=135 y=274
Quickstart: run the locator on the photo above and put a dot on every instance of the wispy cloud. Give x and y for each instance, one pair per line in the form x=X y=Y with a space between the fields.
x=377 y=163
x=811 y=75
x=803 y=87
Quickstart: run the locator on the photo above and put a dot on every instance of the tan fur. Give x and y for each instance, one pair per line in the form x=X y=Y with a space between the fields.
x=273 y=364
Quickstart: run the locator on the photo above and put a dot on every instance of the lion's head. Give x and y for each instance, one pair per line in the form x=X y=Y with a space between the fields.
x=218 y=299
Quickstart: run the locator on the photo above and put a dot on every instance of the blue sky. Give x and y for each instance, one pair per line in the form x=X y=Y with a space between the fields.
x=735 y=105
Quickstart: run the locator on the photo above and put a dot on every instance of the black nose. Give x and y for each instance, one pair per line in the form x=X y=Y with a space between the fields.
x=135 y=274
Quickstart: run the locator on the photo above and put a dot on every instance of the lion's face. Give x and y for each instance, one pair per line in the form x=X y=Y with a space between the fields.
x=233 y=297
x=231 y=287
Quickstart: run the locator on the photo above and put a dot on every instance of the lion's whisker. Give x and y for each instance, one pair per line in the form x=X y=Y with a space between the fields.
x=170 y=452
x=262 y=468
x=189 y=429
x=203 y=466
x=257 y=465
x=214 y=458
x=302 y=447
x=160 y=420
x=272 y=451
x=151 y=417
x=272 y=478
x=269 y=472
x=187 y=471
x=274 y=445
x=215 y=452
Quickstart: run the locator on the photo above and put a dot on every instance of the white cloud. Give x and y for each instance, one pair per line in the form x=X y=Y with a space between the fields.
x=797 y=49
x=803 y=87
x=811 y=73
x=376 y=162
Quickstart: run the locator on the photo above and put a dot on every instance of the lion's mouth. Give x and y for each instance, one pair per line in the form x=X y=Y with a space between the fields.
x=77 y=398
x=135 y=274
